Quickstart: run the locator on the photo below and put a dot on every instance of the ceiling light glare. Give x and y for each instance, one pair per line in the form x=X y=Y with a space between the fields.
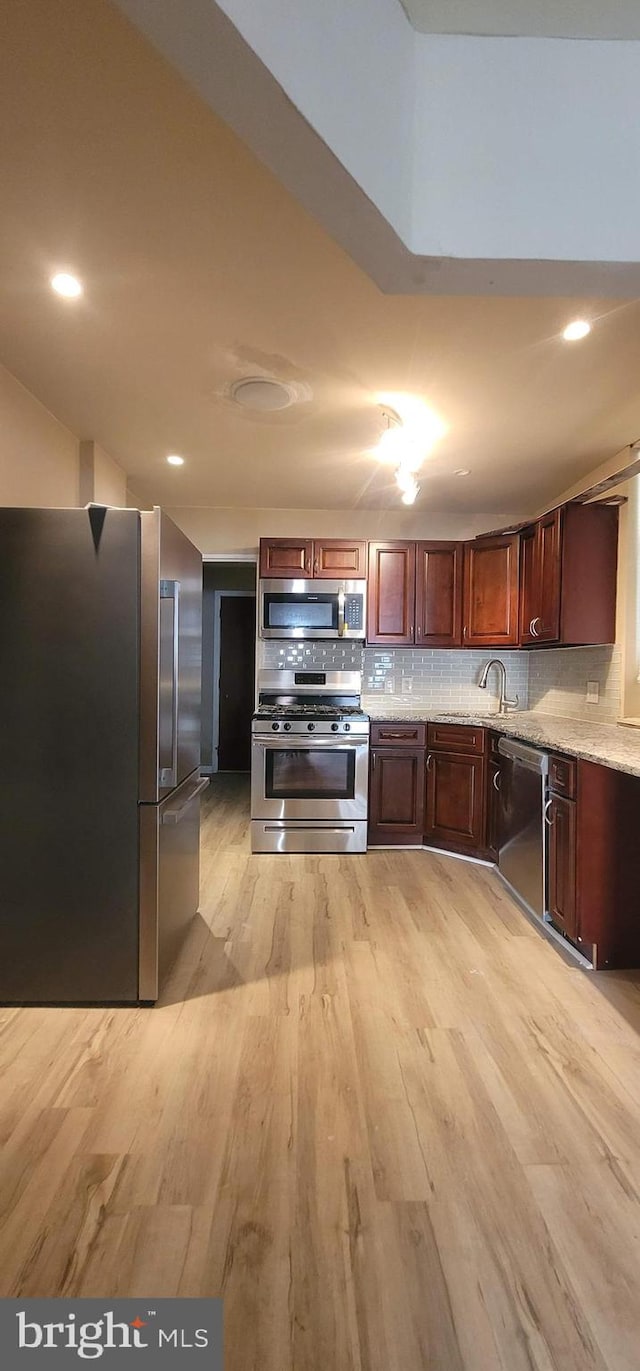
x=419 y=421
x=175 y=460
x=409 y=495
x=66 y=285
x=578 y=328
x=405 y=479
x=391 y=446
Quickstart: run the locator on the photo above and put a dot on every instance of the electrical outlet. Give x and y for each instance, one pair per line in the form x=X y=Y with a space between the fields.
x=593 y=692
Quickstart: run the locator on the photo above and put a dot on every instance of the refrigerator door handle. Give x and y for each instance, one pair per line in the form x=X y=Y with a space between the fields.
x=174 y=816
x=170 y=590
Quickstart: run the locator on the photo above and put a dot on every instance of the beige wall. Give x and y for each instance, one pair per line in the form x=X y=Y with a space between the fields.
x=38 y=455
x=236 y=532
x=101 y=479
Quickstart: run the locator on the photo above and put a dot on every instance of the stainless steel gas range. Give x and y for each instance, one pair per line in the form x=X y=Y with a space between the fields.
x=309 y=763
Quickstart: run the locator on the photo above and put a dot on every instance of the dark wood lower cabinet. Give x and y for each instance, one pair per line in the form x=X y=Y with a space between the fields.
x=455 y=801
x=396 y=795
x=493 y=808
x=608 y=865
x=562 y=865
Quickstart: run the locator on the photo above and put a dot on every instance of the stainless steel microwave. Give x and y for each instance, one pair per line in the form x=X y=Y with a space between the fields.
x=313 y=609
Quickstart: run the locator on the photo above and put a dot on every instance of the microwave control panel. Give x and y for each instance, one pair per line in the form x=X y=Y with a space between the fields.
x=353 y=612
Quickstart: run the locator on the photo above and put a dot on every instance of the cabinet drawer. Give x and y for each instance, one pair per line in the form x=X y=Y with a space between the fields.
x=412 y=735
x=455 y=738
x=562 y=775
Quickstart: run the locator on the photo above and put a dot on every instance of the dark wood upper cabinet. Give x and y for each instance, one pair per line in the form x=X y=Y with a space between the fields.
x=391 y=594
x=490 y=602
x=568 y=577
x=286 y=557
x=339 y=559
x=332 y=559
x=439 y=574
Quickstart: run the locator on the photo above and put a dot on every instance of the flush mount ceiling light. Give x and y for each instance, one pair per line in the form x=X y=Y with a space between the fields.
x=409 y=495
x=578 y=328
x=263 y=394
x=66 y=285
x=175 y=460
x=462 y=471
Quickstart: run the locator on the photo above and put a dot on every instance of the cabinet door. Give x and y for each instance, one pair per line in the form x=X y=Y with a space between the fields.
x=396 y=795
x=391 y=593
x=286 y=557
x=439 y=568
x=455 y=800
x=490 y=617
x=562 y=864
x=338 y=558
x=528 y=583
x=493 y=808
x=546 y=621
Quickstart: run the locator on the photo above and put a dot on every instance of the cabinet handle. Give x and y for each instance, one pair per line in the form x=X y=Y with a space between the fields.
x=547 y=809
x=418 y=632
x=496 y=780
x=429 y=760
x=315 y=567
x=373 y=761
x=532 y=627
x=464 y=631
x=401 y=736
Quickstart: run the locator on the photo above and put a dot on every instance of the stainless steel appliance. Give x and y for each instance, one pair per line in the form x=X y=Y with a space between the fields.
x=523 y=779
x=312 y=609
x=309 y=763
x=100 y=632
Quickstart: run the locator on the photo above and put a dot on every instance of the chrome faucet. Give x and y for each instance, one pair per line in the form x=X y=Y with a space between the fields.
x=504 y=703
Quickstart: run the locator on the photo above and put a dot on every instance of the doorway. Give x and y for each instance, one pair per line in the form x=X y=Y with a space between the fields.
x=228 y=662
x=234 y=673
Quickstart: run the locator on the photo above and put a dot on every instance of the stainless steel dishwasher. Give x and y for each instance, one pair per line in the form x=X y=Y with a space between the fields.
x=521 y=836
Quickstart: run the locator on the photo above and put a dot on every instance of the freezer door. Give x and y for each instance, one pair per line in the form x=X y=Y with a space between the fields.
x=69 y=757
x=169 y=879
x=171 y=638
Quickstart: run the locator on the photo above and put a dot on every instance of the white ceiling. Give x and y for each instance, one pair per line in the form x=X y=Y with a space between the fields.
x=528 y=18
x=200 y=268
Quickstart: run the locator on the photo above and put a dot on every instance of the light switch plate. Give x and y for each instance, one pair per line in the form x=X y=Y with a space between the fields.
x=593 y=692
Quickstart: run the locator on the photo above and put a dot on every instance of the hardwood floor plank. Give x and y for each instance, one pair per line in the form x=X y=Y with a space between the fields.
x=374 y=1109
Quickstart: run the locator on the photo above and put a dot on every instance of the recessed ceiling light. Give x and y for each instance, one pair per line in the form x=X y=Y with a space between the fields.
x=462 y=471
x=175 y=460
x=578 y=328
x=65 y=284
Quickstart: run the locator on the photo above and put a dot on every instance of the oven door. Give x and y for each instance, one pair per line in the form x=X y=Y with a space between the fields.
x=309 y=778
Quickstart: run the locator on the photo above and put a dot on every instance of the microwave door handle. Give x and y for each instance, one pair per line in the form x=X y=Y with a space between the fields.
x=170 y=590
x=341 y=622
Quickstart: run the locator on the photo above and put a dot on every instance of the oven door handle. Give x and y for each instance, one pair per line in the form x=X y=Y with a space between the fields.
x=298 y=744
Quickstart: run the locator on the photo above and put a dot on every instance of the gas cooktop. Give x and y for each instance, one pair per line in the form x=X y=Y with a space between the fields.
x=309 y=711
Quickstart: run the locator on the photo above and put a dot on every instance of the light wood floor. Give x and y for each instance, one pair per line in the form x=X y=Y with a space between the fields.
x=375 y=1110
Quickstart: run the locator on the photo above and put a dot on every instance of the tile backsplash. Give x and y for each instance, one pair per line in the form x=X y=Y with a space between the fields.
x=434 y=679
x=553 y=681
x=558 y=682
x=314 y=656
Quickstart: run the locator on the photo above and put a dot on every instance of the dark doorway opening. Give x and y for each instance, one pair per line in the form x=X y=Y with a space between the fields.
x=237 y=624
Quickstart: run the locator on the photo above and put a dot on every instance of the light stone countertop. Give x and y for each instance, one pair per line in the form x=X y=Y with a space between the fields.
x=610 y=744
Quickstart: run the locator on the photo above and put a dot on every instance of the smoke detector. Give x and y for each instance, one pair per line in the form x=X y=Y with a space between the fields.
x=263 y=393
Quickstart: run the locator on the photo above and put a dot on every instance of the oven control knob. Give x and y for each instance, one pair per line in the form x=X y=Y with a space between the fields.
x=334 y=728
x=275 y=727
x=347 y=728
x=287 y=728
x=311 y=727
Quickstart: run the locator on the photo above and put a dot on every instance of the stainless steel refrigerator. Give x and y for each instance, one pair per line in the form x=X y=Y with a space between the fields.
x=100 y=660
